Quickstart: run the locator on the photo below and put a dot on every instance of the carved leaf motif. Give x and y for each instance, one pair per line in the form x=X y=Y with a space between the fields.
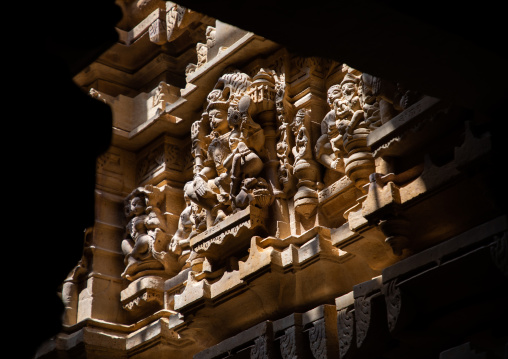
x=345 y=326
x=317 y=338
x=174 y=19
x=393 y=304
x=362 y=314
x=260 y=349
x=288 y=344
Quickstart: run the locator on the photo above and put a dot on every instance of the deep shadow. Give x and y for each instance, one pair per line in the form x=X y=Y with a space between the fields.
x=53 y=134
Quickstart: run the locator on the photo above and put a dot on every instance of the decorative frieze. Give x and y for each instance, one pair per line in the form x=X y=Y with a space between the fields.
x=166 y=159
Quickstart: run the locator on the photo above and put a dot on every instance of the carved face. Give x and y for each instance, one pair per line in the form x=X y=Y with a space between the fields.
x=298 y=122
x=349 y=90
x=137 y=206
x=218 y=120
x=334 y=94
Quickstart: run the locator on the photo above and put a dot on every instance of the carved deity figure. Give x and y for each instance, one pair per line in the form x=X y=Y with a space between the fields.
x=245 y=142
x=344 y=130
x=180 y=242
x=211 y=178
x=302 y=150
x=225 y=155
x=305 y=168
x=202 y=53
x=329 y=151
x=210 y=36
x=137 y=246
x=145 y=245
x=285 y=169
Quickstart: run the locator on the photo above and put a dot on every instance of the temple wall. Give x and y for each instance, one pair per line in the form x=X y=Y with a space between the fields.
x=256 y=203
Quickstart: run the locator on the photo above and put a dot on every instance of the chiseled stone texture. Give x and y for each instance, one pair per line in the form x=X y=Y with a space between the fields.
x=255 y=203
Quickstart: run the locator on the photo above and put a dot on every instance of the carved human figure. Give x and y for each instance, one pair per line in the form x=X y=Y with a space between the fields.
x=138 y=244
x=163 y=95
x=305 y=168
x=180 y=242
x=254 y=191
x=202 y=53
x=285 y=169
x=391 y=97
x=302 y=150
x=145 y=245
x=210 y=36
x=245 y=141
x=329 y=150
x=212 y=178
x=225 y=155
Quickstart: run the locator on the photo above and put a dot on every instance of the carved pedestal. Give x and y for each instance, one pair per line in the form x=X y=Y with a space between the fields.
x=230 y=236
x=143 y=296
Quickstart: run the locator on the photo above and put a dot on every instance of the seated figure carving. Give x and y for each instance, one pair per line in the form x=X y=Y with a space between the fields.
x=138 y=245
x=354 y=113
x=328 y=147
x=209 y=182
x=226 y=149
x=146 y=245
x=245 y=141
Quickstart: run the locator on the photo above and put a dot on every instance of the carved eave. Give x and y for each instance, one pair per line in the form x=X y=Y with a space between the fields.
x=202 y=80
x=418 y=122
x=132 y=130
x=406 y=301
x=142 y=56
x=230 y=236
x=453 y=166
x=388 y=312
x=272 y=265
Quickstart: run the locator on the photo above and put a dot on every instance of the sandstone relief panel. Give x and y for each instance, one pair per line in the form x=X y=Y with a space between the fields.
x=268 y=163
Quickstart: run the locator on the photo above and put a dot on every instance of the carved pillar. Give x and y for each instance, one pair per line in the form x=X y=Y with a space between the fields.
x=262 y=93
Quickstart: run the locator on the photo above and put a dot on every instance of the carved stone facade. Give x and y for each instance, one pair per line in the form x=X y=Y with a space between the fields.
x=256 y=203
